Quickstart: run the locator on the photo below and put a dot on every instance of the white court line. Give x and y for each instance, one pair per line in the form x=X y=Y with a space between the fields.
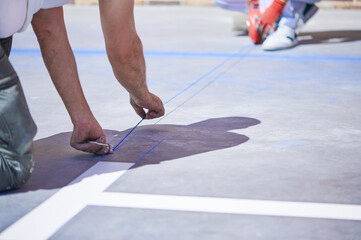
x=51 y=215
x=87 y=189
x=229 y=205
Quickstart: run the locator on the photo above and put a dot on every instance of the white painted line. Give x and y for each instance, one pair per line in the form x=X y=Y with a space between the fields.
x=47 y=218
x=88 y=189
x=228 y=205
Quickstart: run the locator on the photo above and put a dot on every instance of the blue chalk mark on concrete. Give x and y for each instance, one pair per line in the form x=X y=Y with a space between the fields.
x=117 y=146
x=239 y=53
x=145 y=154
x=208 y=54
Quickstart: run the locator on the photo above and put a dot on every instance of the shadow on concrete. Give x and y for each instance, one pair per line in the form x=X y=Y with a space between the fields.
x=329 y=37
x=241 y=33
x=57 y=164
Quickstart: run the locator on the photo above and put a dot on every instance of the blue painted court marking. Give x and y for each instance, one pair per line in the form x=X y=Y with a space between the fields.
x=210 y=71
x=145 y=154
x=270 y=56
x=117 y=146
x=198 y=91
x=186 y=88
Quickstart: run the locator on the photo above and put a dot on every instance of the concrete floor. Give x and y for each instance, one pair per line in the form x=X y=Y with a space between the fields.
x=273 y=126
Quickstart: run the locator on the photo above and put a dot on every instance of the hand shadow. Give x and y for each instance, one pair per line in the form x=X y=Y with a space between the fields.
x=57 y=164
x=329 y=37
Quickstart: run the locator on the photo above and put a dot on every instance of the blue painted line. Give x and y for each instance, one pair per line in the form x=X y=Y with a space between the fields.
x=24 y=51
x=145 y=154
x=209 y=72
x=117 y=146
x=148 y=53
x=187 y=54
x=303 y=58
x=272 y=56
x=75 y=51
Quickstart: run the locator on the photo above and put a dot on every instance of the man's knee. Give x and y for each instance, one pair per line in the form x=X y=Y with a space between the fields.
x=17 y=130
x=14 y=170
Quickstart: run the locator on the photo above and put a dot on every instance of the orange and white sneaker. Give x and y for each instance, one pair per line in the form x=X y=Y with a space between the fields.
x=284 y=37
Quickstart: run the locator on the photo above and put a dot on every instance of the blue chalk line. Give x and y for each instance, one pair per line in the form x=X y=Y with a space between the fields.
x=117 y=146
x=145 y=154
x=208 y=73
x=209 y=54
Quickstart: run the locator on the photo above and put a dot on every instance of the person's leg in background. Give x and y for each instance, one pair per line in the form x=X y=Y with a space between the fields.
x=239 y=7
x=233 y=5
x=17 y=128
x=282 y=35
x=294 y=15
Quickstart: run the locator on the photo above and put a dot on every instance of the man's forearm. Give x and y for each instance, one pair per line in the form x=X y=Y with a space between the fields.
x=50 y=29
x=124 y=48
x=130 y=72
x=125 y=53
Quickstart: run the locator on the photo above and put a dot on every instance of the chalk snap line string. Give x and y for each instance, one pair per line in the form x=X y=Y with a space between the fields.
x=200 y=90
x=209 y=72
x=118 y=145
x=182 y=91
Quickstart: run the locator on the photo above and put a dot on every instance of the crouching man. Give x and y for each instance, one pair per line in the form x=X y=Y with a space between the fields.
x=125 y=54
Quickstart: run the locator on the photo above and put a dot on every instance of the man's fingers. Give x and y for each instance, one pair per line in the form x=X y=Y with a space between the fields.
x=105 y=150
x=151 y=115
x=161 y=110
x=89 y=137
x=157 y=109
x=105 y=147
x=88 y=147
x=153 y=103
x=98 y=146
x=101 y=139
x=154 y=114
x=139 y=110
x=97 y=149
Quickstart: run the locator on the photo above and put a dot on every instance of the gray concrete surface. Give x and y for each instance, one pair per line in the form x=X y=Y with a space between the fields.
x=280 y=126
x=146 y=224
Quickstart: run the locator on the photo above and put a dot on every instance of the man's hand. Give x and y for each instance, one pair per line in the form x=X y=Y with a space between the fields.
x=151 y=102
x=268 y=19
x=83 y=133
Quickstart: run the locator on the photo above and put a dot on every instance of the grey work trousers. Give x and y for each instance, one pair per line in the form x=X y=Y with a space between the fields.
x=17 y=128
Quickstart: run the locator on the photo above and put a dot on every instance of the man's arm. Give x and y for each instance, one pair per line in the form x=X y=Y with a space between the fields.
x=125 y=53
x=49 y=28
